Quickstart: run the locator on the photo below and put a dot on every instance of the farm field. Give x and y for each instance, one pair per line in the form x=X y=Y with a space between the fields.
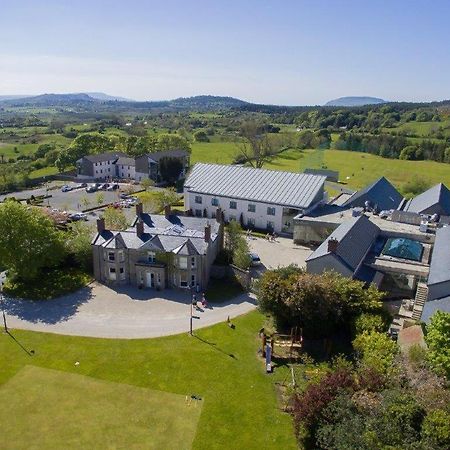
x=362 y=168
x=421 y=128
x=53 y=409
x=219 y=364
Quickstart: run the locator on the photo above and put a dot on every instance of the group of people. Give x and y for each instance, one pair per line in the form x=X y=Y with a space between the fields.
x=271 y=237
x=203 y=302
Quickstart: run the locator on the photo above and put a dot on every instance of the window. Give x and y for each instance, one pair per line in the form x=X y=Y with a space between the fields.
x=270 y=225
x=121 y=256
x=192 y=261
x=233 y=205
x=183 y=280
x=122 y=273
x=151 y=257
x=270 y=211
x=111 y=256
x=198 y=199
x=250 y=222
x=112 y=273
x=215 y=201
x=193 y=280
x=198 y=213
x=182 y=262
x=251 y=207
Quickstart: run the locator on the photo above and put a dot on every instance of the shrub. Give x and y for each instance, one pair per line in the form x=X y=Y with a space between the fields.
x=436 y=430
x=438 y=340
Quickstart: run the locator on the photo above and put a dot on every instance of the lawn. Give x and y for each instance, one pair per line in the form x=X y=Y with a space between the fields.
x=361 y=168
x=213 y=152
x=52 y=409
x=220 y=365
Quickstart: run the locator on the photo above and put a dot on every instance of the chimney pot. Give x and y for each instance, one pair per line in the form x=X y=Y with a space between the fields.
x=333 y=245
x=139 y=209
x=207 y=232
x=101 y=225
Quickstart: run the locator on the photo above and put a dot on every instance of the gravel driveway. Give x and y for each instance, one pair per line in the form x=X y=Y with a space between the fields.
x=100 y=311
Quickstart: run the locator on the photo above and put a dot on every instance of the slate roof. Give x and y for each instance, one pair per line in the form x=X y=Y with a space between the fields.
x=437 y=195
x=102 y=157
x=355 y=237
x=177 y=153
x=440 y=258
x=381 y=193
x=430 y=307
x=296 y=190
x=126 y=161
x=177 y=234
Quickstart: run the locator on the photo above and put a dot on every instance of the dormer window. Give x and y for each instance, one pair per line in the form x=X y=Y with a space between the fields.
x=151 y=257
x=111 y=256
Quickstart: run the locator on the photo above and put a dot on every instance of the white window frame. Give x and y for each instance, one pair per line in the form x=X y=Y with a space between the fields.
x=198 y=199
x=183 y=262
x=271 y=211
x=215 y=201
x=251 y=208
x=151 y=257
x=113 y=256
x=112 y=273
x=233 y=204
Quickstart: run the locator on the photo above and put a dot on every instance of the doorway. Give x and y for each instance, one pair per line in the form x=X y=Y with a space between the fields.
x=150 y=280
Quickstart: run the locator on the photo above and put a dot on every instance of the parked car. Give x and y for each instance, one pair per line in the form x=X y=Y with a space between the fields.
x=112 y=187
x=79 y=185
x=256 y=260
x=123 y=195
x=78 y=216
x=386 y=213
x=91 y=188
x=66 y=188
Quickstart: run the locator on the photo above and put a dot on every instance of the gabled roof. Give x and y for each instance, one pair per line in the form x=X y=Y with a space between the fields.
x=380 y=193
x=440 y=258
x=187 y=249
x=437 y=195
x=102 y=157
x=296 y=190
x=355 y=238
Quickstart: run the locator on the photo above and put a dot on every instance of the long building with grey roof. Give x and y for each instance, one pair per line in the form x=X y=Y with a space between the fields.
x=435 y=200
x=158 y=251
x=258 y=198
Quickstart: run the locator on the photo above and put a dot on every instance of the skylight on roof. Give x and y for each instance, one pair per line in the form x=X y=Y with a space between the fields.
x=403 y=248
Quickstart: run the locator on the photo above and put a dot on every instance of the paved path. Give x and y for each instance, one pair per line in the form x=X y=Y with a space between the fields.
x=100 y=311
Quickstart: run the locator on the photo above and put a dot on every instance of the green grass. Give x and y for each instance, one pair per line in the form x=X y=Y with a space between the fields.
x=53 y=409
x=421 y=128
x=44 y=172
x=221 y=365
x=55 y=283
x=213 y=152
x=362 y=168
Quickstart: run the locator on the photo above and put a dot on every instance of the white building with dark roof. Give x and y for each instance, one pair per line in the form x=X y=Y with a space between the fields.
x=258 y=198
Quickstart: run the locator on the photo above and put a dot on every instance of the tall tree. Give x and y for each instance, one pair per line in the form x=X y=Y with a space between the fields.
x=29 y=241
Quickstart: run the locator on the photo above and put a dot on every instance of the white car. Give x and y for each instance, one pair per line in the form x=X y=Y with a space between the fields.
x=66 y=188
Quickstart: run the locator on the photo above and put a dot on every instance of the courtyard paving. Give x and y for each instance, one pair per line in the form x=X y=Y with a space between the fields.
x=99 y=311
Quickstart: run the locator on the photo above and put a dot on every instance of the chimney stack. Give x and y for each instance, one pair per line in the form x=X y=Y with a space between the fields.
x=139 y=209
x=167 y=211
x=207 y=232
x=219 y=215
x=333 y=245
x=140 y=228
x=100 y=225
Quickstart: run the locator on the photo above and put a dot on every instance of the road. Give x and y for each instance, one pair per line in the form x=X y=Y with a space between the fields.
x=128 y=313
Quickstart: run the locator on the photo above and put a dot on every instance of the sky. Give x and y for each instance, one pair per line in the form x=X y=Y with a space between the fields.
x=291 y=52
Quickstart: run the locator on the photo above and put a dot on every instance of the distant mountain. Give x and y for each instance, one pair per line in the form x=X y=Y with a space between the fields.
x=100 y=101
x=12 y=97
x=47 y=100
x=107 y=97
x=207 y=102
x=355 y=101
